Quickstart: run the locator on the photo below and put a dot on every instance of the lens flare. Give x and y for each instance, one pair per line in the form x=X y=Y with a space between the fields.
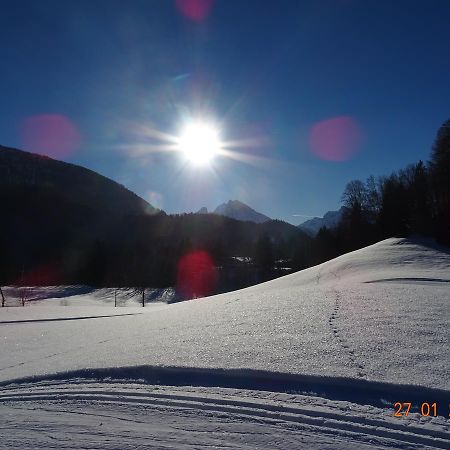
x=44 y=275
x=52 y=135
x=336 y=139
x=200 y=143
x=155 y=199
x=196 y=10
x=197 y=276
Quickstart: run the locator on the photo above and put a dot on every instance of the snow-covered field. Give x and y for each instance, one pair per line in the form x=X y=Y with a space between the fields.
x=76 y=295
x=312 y=360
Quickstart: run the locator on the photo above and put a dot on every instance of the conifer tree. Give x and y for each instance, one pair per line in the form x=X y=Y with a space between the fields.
x=440 y=182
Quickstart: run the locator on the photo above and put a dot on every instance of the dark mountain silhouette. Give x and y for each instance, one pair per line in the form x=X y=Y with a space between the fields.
x=76 y=184
x=330 y=220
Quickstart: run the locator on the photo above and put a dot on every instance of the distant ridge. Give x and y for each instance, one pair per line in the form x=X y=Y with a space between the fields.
x=235 y=209
x=77 y=184
x=329 y=220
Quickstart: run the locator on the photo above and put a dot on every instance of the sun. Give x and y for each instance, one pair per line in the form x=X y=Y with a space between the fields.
x=200 y=143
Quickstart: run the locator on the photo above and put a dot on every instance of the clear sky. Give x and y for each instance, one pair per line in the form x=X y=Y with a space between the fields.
x=317 y=92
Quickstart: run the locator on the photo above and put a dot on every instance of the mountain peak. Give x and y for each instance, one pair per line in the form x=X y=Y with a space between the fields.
x=235 y=209
x=329 y=220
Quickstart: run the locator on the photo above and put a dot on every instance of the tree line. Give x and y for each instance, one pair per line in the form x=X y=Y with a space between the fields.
x=47 y=240
x=408 y=202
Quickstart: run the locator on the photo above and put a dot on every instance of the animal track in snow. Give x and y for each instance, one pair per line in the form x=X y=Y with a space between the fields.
x=337 y=332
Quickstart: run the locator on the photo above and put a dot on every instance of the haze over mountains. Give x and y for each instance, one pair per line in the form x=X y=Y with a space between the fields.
x=329 y=220
x=237 y=210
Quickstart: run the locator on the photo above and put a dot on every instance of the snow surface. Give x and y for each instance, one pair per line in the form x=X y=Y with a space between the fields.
x=77 y=295
x=320 y=356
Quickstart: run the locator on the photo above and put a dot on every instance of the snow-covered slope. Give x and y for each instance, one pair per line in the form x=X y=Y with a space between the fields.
x=319 y=357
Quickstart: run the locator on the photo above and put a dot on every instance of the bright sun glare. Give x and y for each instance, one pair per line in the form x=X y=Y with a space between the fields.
x=199 y=142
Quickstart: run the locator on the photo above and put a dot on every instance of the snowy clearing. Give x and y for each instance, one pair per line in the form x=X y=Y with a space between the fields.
x=75 y=295
x=312 y=360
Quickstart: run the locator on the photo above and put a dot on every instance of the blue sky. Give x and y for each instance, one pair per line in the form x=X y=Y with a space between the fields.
x=272 y=72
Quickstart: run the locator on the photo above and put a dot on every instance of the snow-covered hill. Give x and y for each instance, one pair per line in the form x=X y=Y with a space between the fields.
x=312 y=360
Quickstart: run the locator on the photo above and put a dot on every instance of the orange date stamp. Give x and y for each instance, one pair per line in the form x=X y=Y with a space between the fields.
x=425 y=409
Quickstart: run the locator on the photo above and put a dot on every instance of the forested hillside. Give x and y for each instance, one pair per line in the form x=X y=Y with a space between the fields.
x=412 y=201
x=75 y=183
x=65 y=242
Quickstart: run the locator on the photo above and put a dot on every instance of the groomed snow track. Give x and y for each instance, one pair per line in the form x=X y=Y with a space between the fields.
x=297 y=410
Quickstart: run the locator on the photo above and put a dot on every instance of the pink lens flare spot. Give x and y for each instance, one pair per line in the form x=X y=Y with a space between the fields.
x=197 y=276
x=336 y=139
x=196 y=10
x=52 y=135
x=44 y=275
